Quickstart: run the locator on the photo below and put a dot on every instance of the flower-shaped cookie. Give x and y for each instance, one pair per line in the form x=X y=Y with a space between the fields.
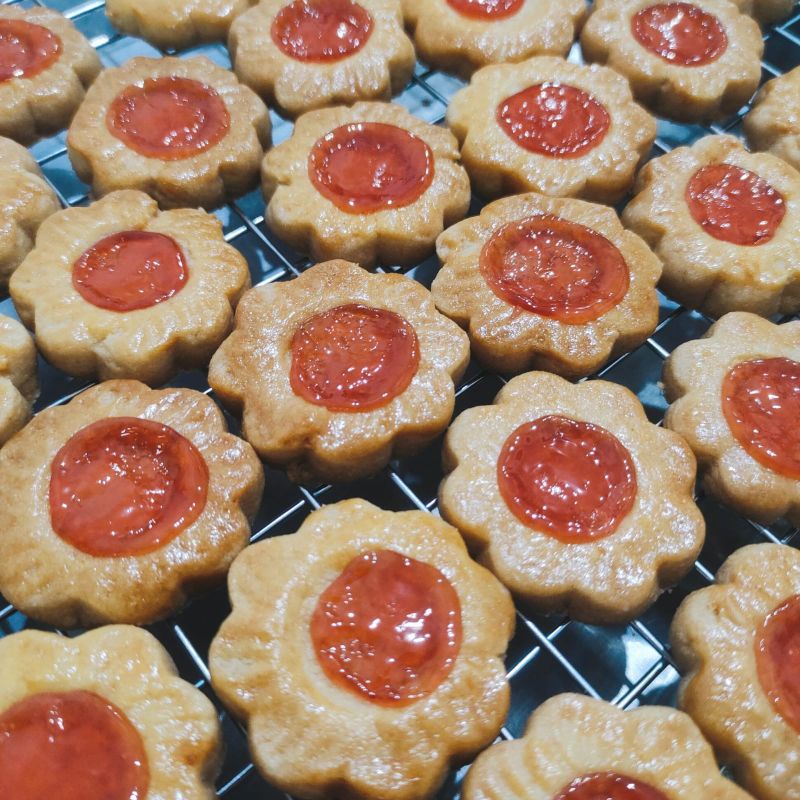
x=364 y=653
x=572 y=498
x=547 y=125
x=339 y=370
x=726 y=225
x=736 y=399
x=690 y=61
x=766 y=11
x=176 y=24
x=117 y=505
x=102 y=715
x=461 y=36
x=773 y=123
x=18 y=384
x=371 y=183
x=183 y=130
x=576 y=748
x=739 y=645
x=547 y=283
x=305 y=54
x=121 y=290
x=45 y=67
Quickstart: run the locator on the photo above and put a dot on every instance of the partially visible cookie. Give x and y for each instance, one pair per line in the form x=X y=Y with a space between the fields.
x=572 y=497
x=339 y=370
x=736 y=400
x=305 y=54
x=46 y=65
x=726 y=225
x=183 y=130
x=547 y=125
x=547 y=283
x=19 y=386
x=371 y=184
x=773 y=124
x=738 y=643
x=691 y=61
x=577 y=748
x=119 y=289
x=766 y=11
x=461 y=36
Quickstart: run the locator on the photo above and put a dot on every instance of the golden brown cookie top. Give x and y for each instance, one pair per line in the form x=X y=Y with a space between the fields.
x=550 y=283
x=176 y=491
x=577 y=747
x=386 y=726
x=766 y=11
x=601 y=555
x=326 y=404
x=19 y=386
x=738 y=643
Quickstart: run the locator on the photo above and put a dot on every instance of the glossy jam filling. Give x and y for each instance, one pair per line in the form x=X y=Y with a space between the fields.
x=124 y=486
x=169 y=118
x=388 y=628
x=777 y=647
x=321 y=31
x=554 y=267
x=353 y=358
x=130 y=270
x=734 y=205
x=609 y=786
x=488 y=10
x=554 y=119
x=761 y=404
x=680 y=33
x=370 y=166
x=572 y=480
x=70 y=746
x=26 y=49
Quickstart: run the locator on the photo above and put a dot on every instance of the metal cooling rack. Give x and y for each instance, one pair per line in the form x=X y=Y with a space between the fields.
x=627 y=665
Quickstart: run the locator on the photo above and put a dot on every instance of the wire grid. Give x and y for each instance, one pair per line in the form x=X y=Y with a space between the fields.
x=627 y=665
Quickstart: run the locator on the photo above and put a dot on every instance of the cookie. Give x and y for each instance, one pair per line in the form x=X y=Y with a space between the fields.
x=735 y=399
x=726 y=225
x=19 y=386
x=118 y=505
x=461 y=36
x=766 y=12
x=183 y=130
x=364 y=653
x=737 y=642
x=119 y=289
x=549 y=126
x=338 y=371
x=692 y=62
x=103 y=714
x=46 y=65
x=572 y=498
x=371 y=184
x=300 y=55
x=577 y=748
x=547 y=283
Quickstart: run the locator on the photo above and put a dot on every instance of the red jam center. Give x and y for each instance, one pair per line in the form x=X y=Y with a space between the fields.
x=554 y=267
x=70 y=746
x=761 y=403
x=778 y=660
x=554 y=119
x=388 y=628
x=489 y=10
x=321 y=30
x=130 y=270
x=734 y=204
x=353 y=358
x=609 y=786
x=169 y=118
x=26 y=49
x=572 y=480
x=370 y=166
x=124 y=486
x=680 y=33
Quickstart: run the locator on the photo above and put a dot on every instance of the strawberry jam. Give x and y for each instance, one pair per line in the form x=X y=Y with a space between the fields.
x=26 y=50
x=486 y=10
x=609 y=786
